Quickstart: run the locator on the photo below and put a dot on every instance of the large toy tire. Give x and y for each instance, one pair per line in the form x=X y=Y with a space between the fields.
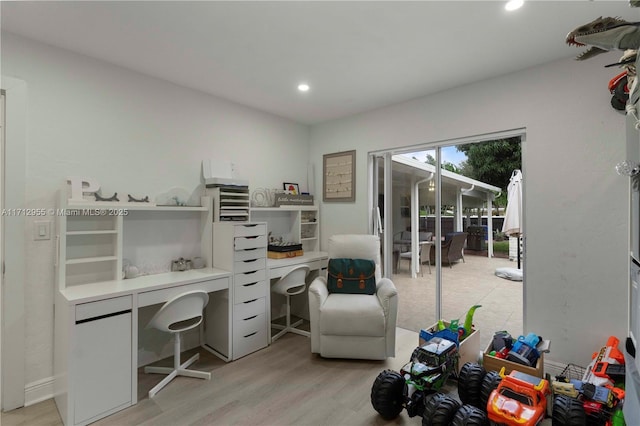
x=490 y=382
x=439 y=410
x=567 y=411
x=386 y=394
x=470 y=384
x=468 y=415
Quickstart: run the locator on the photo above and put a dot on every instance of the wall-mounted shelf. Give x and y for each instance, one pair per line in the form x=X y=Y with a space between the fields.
x=105 y=205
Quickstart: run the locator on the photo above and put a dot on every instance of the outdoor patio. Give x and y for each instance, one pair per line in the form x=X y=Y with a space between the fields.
x=464 y=285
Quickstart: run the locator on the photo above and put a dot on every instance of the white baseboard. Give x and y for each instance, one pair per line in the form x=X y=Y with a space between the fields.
x=38 y=391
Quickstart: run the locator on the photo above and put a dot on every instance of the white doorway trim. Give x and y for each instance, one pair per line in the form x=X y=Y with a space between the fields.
x=12 y=330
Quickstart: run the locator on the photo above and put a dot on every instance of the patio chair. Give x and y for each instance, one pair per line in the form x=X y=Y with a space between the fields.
x=452 y=248
x=423 y=252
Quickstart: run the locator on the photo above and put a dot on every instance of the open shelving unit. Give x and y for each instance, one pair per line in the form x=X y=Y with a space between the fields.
x=91 y=236
x=296 y=224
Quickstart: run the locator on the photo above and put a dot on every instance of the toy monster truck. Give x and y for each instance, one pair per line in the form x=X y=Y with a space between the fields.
x=428 y=369
x=577 y=403
x=513 y=400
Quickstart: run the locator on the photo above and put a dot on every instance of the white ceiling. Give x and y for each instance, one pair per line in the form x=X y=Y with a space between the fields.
x=357 y=56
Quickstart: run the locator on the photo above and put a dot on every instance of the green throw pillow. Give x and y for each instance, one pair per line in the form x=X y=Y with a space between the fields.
x=353 y=276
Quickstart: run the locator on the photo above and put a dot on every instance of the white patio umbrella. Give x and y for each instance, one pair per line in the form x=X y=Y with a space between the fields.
x=512 y=225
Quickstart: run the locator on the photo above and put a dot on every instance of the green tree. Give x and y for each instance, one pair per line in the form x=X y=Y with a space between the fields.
x=492 y=162
x=446 y=165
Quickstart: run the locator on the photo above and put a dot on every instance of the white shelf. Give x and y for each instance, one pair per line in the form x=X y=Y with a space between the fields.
x=103 y=232
x=285 y=208
x=106 y=205
x=91 y=260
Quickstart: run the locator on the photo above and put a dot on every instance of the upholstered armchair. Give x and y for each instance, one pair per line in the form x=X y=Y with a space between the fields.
x=358 y=326
x=452 y=248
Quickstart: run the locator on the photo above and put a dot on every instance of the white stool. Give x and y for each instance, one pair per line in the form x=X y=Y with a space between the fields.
x=179 y=314
x=292 y=283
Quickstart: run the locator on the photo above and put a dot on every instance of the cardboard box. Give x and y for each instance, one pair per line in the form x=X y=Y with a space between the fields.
x=491 y=363
x=469 y=348
x=284 y=254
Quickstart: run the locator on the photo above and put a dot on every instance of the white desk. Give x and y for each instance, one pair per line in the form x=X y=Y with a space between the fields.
x=96 y=339
x=317 y=260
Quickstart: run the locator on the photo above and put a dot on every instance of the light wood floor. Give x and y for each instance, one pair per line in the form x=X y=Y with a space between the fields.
x=283 y=384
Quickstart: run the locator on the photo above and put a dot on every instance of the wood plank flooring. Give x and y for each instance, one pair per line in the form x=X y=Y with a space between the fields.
x=283 y=384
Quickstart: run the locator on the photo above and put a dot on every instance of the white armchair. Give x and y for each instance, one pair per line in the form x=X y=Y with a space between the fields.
x=354 y=325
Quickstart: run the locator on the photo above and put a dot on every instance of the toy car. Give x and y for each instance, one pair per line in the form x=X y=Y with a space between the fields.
x=428 y=369
x=513 y=400
x=519 y=399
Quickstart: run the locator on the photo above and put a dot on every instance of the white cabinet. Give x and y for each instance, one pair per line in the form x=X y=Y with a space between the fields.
x=242 y=249
x=94 y=351
x=102 y=361
x=296 y=224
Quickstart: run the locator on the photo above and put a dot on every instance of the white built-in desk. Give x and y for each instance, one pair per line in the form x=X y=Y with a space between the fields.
x=96 y=332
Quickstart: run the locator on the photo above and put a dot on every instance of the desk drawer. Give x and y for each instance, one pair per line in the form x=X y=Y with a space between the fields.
x=280 y=271
x=245 y=292
x=242 y=311
x=250 y=230
x=243 y=243
x=86 y=311
x=249 y=277
x=249 y=254
x=250 y=337
x=250 y=265
x=246 y=327
x=148 y=298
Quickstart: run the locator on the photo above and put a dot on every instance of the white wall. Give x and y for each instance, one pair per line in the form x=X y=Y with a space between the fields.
x=133 y=134
x=575 y=203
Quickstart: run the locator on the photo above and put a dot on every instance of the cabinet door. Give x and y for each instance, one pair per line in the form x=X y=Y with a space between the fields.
x=102 y=366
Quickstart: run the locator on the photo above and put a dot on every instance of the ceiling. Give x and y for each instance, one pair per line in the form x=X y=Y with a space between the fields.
x=356 y=55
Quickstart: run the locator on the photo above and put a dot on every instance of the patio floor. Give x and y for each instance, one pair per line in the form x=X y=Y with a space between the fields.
x=464 y=285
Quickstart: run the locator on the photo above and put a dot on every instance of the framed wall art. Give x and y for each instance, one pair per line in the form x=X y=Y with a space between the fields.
x=338 y=176
x=291 y=188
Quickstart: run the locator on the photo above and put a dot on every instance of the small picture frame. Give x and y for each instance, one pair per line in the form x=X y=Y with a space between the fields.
x=338 y=173
x=291 y=188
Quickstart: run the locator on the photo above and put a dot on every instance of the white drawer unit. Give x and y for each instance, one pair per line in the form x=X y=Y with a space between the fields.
x=242 y=249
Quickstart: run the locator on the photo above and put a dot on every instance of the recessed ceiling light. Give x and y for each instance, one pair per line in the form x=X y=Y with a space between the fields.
x=513 y=5
x=303 y=87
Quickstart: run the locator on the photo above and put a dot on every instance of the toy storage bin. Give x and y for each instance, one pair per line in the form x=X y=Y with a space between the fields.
x=469 y=348
x=491 y=363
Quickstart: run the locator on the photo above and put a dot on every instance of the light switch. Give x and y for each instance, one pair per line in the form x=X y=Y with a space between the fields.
x=42 y=230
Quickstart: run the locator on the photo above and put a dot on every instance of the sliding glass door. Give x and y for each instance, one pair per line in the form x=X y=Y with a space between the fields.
x=439 y=209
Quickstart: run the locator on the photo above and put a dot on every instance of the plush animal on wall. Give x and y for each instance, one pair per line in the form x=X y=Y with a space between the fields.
x=605 y=34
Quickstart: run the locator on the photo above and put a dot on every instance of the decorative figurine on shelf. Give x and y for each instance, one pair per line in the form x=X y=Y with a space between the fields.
x=138 y=200
x=114 y=197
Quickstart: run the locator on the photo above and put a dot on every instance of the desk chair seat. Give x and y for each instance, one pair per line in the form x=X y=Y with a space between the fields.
x=291 y=284
x=182 y=313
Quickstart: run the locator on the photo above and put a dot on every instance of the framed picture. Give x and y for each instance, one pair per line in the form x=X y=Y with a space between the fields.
x=338 y=175
x=291 y=188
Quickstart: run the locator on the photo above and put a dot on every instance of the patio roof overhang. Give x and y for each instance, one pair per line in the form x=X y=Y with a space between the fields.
x=407 y=171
